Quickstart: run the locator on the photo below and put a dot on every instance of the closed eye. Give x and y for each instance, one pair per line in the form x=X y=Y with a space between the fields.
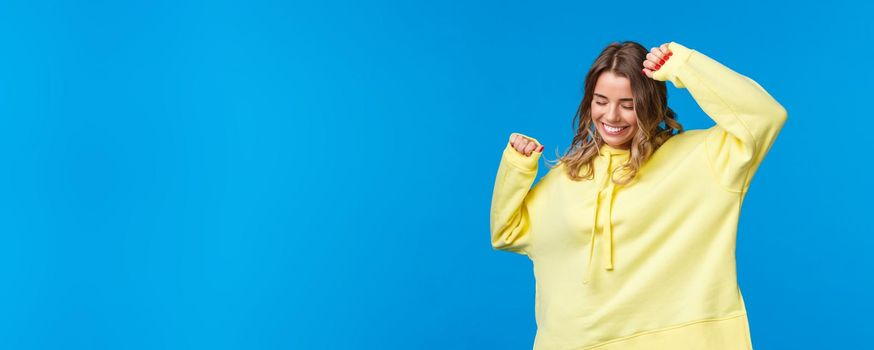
x=603 y=103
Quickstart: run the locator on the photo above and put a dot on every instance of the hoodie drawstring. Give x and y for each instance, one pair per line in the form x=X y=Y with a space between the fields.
x=609 y=187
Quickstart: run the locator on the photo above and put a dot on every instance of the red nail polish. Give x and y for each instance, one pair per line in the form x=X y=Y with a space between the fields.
x=658 y=66
x=540 y=149
x=661 y=61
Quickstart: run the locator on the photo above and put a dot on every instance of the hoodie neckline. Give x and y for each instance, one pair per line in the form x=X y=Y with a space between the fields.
x=606 y=149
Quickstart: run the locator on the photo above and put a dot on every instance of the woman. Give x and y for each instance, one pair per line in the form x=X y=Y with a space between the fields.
x=632 y=234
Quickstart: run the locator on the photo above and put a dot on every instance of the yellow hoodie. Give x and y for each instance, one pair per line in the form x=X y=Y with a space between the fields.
x=651 y=264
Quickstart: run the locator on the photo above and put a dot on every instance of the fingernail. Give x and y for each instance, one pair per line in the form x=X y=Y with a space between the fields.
x=540 y=149
x=661 y=61
x=658 y=66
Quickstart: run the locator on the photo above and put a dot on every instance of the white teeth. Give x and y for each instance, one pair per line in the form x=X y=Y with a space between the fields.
x=612 y=129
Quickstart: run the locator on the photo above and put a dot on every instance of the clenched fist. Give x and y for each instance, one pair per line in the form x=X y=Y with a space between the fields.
x=655 y=59
x=524 y=145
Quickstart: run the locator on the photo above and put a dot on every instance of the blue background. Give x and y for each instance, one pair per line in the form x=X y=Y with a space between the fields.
x=318 y=175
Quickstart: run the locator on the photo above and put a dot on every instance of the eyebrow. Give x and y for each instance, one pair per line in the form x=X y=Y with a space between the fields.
x=620 y=100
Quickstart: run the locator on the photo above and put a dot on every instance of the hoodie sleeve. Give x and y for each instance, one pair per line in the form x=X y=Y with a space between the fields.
x=509 y=217
x=747 y=118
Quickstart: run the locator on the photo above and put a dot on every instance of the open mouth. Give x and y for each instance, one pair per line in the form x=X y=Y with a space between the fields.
x=611 y=130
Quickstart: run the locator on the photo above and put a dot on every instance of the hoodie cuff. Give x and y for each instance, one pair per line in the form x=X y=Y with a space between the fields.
x=668 y=72
x=519 y=160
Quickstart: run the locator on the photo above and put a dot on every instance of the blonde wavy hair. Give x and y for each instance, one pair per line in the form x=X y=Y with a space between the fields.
x=655 y=120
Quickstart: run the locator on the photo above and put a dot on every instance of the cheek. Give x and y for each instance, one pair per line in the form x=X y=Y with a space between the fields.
x=630 y=118
x=596 y=109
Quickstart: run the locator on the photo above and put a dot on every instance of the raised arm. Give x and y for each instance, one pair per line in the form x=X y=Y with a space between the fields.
x=747 y=118
x=509 y=220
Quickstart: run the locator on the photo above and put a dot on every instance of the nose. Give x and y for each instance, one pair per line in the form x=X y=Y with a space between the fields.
x=612 y=115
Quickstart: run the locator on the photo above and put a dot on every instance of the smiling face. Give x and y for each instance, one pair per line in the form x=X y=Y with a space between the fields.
x=613 y=110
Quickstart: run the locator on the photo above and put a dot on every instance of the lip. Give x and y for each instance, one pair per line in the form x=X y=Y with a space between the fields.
x=604 y=127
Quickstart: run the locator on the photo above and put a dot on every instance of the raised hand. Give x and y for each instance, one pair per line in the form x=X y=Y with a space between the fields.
x=524 y=145
x=655 y=59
